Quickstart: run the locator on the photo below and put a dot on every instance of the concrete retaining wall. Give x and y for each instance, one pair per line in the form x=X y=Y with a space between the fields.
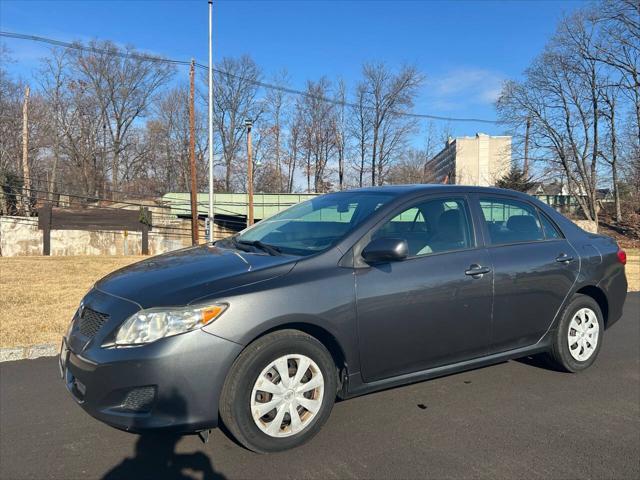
x=20 y=236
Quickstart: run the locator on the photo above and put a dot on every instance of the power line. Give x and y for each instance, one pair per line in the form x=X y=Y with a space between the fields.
x=271 y=86
x=42 y=178
x=172 y=203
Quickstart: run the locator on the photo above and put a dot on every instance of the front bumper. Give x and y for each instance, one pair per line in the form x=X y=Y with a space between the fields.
x=175 y=382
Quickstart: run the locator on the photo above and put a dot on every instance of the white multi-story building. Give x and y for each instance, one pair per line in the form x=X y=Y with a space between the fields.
x=478 y=160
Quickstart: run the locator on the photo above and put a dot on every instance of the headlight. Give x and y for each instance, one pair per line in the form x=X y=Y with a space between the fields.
x=152 y=324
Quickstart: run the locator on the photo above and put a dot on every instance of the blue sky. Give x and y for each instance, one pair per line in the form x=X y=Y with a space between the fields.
x=465 y=48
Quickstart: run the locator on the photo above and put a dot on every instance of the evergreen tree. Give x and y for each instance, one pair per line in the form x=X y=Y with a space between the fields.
x=516 y=179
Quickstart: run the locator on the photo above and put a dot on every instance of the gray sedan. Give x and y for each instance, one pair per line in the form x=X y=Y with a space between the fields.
x=342 y=295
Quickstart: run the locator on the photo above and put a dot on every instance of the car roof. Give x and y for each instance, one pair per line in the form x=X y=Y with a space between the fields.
x=435 y=187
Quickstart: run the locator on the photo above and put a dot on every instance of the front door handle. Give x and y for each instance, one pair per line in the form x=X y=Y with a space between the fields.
x=564 y=258
x=476 y=271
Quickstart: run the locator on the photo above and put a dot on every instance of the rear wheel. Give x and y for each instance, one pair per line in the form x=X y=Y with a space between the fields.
x=578 y=337
x=279 y=392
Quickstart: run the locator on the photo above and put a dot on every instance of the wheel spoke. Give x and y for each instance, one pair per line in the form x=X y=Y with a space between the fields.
x=583 y=317
x=266 y=385
x=312 y=405
x=262 y=409
x=283 y=370
x=303 y=366
x=296 y=422
x=276 y=423
x=315 y=382
x=589 y=323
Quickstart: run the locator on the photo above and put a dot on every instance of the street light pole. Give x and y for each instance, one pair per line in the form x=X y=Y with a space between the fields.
x=248 y=123
x=211 y=214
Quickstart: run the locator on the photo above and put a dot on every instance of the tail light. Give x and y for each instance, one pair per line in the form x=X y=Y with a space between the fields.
x=622 y=256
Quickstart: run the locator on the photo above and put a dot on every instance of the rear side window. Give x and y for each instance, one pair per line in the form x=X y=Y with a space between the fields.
x=510 y=221
x=550 y=230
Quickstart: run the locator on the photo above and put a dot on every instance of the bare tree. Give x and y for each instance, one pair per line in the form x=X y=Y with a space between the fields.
x=561 y=97
x=576 y=42
x=388 y=96
x=408 y=169
x=610 y=152
x=277 y=104
x=293 y=148
x=317 y=118
x=54 y=81
x=82 y=127
x=123 y=84
x=235 y=100
x=360 y=127
x=619 y=47
x=560 y=124
x=340 y=130
x=11 y=93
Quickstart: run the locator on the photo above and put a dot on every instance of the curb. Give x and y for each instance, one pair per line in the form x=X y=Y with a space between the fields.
x=22 y=353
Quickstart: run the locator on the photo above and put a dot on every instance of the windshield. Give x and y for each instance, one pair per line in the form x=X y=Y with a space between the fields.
x=315 y=225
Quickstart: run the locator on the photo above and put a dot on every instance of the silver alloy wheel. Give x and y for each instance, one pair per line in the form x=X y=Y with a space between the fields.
x=287 y=395
x=583 y=334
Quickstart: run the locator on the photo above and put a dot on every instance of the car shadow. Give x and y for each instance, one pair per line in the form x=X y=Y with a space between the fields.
x=537 y=361
x=155 y=457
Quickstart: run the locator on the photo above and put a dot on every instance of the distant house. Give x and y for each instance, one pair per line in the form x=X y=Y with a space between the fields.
x=604 y=195
x=555 y=194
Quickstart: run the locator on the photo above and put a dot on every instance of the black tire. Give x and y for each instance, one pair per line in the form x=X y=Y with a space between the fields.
x=559 y=356
x=235 y=408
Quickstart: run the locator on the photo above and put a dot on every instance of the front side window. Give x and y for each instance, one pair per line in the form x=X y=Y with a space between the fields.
x=510 y=221
x=434 y=226
x=315 y=225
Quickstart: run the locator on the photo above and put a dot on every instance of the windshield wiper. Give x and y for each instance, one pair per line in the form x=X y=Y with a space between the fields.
x=270 y=249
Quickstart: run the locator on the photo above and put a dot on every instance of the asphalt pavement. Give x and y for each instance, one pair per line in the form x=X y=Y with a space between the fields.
x=512 y=420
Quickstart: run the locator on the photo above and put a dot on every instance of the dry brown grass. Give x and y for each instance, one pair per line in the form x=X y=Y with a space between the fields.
x=38 y=295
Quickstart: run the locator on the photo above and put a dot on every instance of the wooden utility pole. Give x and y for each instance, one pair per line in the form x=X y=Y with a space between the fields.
x=26 y=186
x=192 y=156
x=249 y=124
x=525 y=166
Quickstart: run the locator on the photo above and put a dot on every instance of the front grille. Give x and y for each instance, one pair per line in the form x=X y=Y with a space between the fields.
x=91 y=322
x=139 y=399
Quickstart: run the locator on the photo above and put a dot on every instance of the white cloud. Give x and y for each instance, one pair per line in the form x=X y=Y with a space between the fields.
x=464 y=86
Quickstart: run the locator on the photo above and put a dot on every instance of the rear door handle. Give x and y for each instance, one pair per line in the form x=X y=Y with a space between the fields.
x=564 y=258
x=476 y=271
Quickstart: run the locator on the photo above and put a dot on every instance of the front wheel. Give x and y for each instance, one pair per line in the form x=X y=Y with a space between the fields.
x=578 y=338
x=279 y=392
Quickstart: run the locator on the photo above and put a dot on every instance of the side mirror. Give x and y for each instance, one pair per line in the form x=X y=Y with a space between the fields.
x=385 y=250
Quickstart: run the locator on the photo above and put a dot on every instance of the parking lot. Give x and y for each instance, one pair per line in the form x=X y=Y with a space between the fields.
x=513 y=420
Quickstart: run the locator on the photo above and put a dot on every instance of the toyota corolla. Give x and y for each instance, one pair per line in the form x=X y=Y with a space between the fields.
x=341 y=295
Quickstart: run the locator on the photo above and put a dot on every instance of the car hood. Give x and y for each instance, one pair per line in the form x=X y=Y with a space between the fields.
x=183 y=276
